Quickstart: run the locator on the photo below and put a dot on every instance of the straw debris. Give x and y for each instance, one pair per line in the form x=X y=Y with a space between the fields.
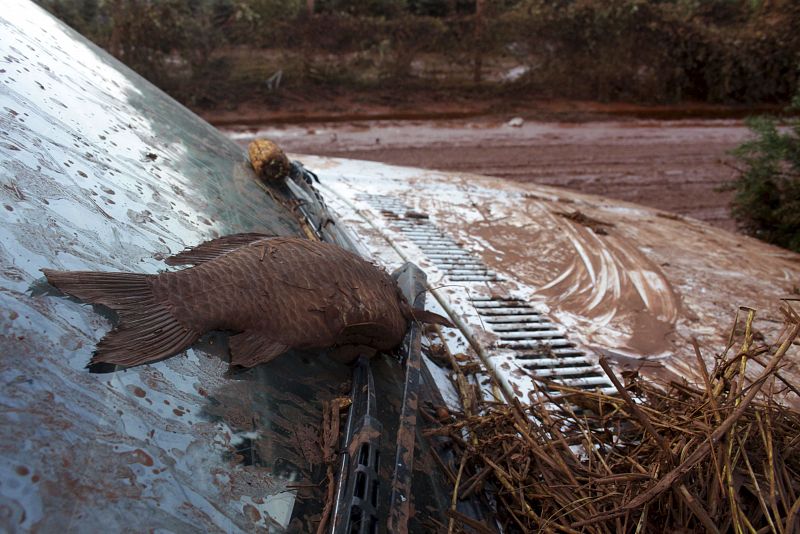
x=721 y=456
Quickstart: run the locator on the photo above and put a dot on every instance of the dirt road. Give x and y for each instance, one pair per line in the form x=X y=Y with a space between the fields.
x=671 y=165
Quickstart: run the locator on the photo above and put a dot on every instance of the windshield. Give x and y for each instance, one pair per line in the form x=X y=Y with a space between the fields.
x=101 y=171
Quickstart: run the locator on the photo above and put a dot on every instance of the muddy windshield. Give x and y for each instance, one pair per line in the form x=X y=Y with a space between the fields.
x=101 y=171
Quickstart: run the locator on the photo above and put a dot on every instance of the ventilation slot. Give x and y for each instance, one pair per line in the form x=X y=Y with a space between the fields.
x=456 y=263
x=539 y=345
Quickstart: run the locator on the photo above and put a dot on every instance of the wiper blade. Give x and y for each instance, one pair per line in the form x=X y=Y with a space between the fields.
x=357 y=494
x=313 y=209
x=356 y=500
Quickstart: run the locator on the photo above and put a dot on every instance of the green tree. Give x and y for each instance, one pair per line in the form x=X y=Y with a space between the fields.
x=767 y=200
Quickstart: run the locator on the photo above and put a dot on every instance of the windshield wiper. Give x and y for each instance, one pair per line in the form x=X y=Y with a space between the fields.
x=355 y=508
x=312 y=208
x=412 y=282
x=356 y=503
x=356 y=499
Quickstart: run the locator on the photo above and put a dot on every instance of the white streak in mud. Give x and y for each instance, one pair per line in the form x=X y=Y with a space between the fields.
x=561 y=277
x=581 y=250
x=609 y=277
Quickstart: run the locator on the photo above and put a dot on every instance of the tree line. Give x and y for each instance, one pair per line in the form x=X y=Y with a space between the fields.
x=207 y=51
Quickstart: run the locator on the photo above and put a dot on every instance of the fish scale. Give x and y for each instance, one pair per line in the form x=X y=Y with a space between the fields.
x=275 y=293
x=298 y=275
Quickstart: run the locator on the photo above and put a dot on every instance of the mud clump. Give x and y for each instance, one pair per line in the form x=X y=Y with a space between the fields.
x=268 y=160
x=597 y=226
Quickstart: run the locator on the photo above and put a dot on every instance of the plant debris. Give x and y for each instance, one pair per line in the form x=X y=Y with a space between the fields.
x=659 y=456
x=331 y=411
x=597 y=226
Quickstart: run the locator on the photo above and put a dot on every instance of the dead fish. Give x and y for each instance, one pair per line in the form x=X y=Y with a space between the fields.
x=274 y=293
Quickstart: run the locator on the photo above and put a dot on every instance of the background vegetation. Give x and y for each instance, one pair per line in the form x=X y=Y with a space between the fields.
x=218 y=53
x=767 y=200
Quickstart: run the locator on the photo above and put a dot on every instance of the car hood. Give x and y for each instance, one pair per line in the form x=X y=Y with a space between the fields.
x=629 y=282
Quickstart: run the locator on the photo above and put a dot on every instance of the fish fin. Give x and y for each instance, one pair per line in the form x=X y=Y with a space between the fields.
x=251 y=348
x=213 y=249
x=109 y=289
x=425 y=316
x=147 y=331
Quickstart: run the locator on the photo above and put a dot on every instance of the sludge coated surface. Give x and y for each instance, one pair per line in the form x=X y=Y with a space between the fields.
x=627 y=281
x=101 y=171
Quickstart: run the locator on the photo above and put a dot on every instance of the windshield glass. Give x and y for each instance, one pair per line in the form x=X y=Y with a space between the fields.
x=101 y=171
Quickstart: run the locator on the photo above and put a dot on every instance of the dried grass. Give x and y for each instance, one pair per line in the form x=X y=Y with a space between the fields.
x=657 y=457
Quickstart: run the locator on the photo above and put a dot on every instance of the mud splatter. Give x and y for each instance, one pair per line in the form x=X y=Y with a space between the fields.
x=252 y=513
x=247 y=481
x=138 y=456
x=136 y=390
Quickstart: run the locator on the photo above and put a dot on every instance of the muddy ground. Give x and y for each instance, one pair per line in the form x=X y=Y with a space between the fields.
x=675 y=165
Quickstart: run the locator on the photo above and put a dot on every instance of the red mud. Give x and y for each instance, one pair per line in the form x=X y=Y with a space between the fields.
x=674 y=165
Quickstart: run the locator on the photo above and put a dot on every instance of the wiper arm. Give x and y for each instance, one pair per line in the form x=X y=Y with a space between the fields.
x=311 y=205
x=412 y=282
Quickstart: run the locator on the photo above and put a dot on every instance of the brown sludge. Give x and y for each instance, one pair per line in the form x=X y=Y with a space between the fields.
x=723 y=456
x=277 y=293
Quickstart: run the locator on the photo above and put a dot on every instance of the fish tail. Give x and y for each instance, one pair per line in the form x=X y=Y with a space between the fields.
x=147 y=330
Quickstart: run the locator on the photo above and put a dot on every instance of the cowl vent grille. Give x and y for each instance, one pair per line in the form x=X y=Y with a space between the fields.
x=536 y=344
x=457 y=264
x=540 y=346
